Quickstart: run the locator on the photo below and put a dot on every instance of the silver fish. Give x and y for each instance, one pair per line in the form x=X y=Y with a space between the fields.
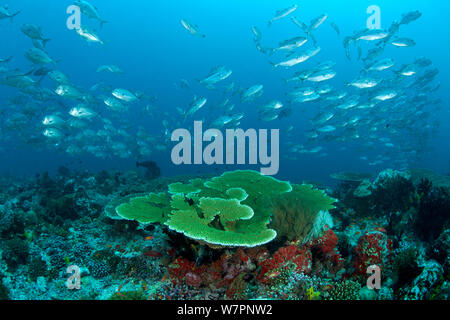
x=306 y=55
x=124 y=95
x=192 y=28
x=89 y=10
x=5 y=14
x=89 y=34
x=280 y=14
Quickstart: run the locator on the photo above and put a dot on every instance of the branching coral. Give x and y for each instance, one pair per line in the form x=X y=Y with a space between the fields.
x=433 y=211
x=297 y=212
x=392 y=191
x=344 y=290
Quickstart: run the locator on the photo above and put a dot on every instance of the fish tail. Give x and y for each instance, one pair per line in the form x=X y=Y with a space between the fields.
x=40 y=80
x=13 y=15
x=28 y=73
x=55 y=62
x=271 y=51
x=310 y=35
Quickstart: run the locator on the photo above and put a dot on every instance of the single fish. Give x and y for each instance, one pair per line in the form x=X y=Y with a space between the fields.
x=89 y=10
x=309 y=98
x=372 y=35
x=59 y=77
x=408 y=70
x=37 y=56
x=299 y=58
x=89 y=34
x=302 y=92
x=381 y=65
x=403 y=42
x=33 y=32
x=125 y=95
x=268 y=116
x=192 y=28
x=317 y=22
x=42 y=71
x=252 y=93
x=69 y=91
x=300 y=24
x=114 y=104
x=222 y=121
x=273 y=105
x=216 y=75
x=39 y=44
x=196 y=105
x=82 y=112
x=18 y=80
x=109 y=68
x=386 y=95
x=6 y=60
x=280 y=14
x=322 y=75
x=257 y=36
x=52 y=133
x=410 y=17
x=327 y=129
x=364 y=83
x=336 y=28
x=53 y=120
x=291 y=44
x=350 y=103
x=5 y=14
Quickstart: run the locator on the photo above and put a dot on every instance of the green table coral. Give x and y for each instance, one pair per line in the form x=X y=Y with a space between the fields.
x=152 y=208
x=232 y=210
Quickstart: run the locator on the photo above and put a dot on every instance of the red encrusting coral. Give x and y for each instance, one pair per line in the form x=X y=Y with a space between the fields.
x=372 y=249
x=321 y=252
x=327 y=242
x=285 y=258
x=329 y=258
x=193 y=279
x=179 y=268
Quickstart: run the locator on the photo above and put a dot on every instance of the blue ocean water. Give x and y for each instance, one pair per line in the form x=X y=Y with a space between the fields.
x=146 y=39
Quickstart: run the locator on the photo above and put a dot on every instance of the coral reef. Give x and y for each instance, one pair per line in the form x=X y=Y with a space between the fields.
x=236 y=236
